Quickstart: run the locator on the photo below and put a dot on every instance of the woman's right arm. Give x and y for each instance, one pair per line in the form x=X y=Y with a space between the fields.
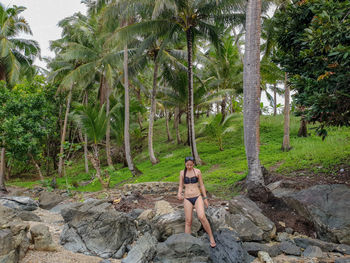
x=181 y=185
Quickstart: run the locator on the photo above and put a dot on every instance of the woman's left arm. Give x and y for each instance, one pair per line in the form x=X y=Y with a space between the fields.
x=202 y=188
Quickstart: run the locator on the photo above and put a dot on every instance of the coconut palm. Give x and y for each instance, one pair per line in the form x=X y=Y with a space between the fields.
x=93 y=120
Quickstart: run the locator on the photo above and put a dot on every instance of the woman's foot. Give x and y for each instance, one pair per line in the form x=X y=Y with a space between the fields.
x=212 y=244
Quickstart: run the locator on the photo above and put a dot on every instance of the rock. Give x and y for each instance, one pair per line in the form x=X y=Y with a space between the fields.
x=289 y=230
x=58 y=208
x=173 y=223
x=289 y=248
x=244 y=227
x=163 y=207
x=41 y=238
x=28 y=216
x=344 y=249
x=105 y=261
x=328 y=207
x=264 y=257
x=244 y=207
x=182 y=248
x=253 y=248
x=342 y=260
x=228 y=248
x=312 y=252
x=94 y=228
x=135 y=213
x=281 y=236
x=48 y=200
x=146 y=215
x=143 y=251
x=19 y=202
x=217 y=217
x=14 y=242
x=306 y=242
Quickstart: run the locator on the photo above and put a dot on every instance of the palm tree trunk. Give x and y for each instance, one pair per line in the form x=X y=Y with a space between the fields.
x=126 y=119
x=37 y=167
x=108 y=130
x=274 y=99
x=303 y=127
x=95 y=160
x=2 y=171
x=190 y=99
x=86 y=161
x=151 y=115
x=251 y=88
x=286 y=143
x=167 y=125
x=223 y=108
x=63 y=137
x=176 y=124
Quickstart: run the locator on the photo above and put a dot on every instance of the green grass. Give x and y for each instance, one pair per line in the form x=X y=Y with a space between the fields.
x=223 y=168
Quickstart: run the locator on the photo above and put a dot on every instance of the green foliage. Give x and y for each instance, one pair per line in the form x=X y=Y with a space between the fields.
x=314 y=48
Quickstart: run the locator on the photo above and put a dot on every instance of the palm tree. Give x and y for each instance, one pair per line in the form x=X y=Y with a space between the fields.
x=286 y=141
x=251 y=89
x=92 y=119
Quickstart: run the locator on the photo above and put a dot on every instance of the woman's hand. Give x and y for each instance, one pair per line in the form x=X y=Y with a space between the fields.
x=206 y=203
x=180 y=196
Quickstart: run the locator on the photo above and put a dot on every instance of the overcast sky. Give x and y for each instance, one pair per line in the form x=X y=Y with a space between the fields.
x=43 y=17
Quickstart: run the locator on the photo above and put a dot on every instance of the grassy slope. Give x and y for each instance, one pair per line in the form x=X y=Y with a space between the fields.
x=223 y=168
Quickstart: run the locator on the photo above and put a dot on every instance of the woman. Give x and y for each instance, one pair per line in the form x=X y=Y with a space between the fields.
x=190 y=177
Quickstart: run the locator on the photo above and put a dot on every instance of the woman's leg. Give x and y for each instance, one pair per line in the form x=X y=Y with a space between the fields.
x=201 y=216
x=188 y=207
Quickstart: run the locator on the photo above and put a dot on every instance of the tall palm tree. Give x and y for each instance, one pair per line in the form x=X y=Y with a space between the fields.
x=251 y=89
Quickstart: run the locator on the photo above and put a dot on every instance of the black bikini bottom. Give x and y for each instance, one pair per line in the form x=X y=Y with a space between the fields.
x=192 y=199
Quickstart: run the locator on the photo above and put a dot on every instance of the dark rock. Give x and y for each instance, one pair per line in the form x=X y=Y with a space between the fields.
x=281 y=236
x=182 y=248
x=244 y=227
x=344 y=249
x=217 y=217
x=93 y=228
x=228 y=248
x=253 y=248
x=6 y=242
x=28 y=216
x=289 y=230
x=312 y=252
x=245 y=208
x=135 y=213
x=305 y=242
x=328 y=207
x=143 y=251
x=48 y=200
x=105 y=261
x=342 y=260
x=289 y=248
x=19 y=202
x=58 y=208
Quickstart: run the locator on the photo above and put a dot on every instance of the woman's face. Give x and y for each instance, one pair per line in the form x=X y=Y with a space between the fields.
x=189 y=164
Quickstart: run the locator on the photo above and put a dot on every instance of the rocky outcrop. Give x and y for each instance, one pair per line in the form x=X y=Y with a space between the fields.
x=48 y=200
x=152 y=188
x=19 y=203
x=328 y=207
x=143 y=251
x=182 y=248
x=248 y=221
x=41 y=238
x=14 y=242
x=95 y=228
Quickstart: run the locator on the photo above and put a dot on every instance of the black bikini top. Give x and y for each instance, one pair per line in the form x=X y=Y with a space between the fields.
x=190 y=180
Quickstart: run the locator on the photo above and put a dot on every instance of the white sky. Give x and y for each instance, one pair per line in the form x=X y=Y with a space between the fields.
x=43 y=17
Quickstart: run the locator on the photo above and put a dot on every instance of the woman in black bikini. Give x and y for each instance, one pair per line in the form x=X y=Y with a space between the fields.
x=190 y=177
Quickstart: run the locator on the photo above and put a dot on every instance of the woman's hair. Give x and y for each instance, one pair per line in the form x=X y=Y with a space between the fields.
x=188 y=158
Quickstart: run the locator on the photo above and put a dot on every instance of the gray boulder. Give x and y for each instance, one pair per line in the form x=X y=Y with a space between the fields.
x=182 y=248
x=95 y=228
x=42 y=239
x=306 y=242
x=48 y=200
x=28 y=216
x=143 y=251
x=342 y=260
x=288 y=247
x=312 y=252
x=173 y=223
x=249 y=222
x=328 y=207
x=19 y=202
x=228 y=248
x=14 y=242
x=217 y=217
x=253 y=248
